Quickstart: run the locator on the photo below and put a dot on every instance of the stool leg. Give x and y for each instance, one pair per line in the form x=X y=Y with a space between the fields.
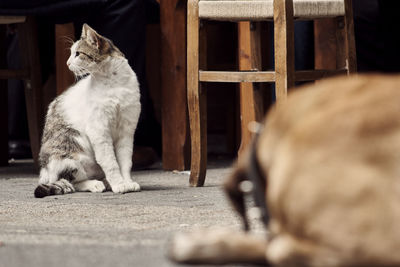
x=196 y=100
x=64 y=76
x=341 y=56
x=251 y=99
x=33 y=86
x=174 y=112
x=350 y=37
x=324 y=49
x=284 y=47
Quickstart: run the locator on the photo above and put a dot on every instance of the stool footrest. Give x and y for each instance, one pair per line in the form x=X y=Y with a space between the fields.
x=263 y=76
x=312 y=75
x=12 y=19
x=236 y=76
x=14 y=74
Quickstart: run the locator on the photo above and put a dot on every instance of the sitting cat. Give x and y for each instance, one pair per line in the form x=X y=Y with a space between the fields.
x=87 y=142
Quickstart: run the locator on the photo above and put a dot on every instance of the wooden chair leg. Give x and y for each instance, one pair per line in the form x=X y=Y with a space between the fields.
x=284 y=47
x=349 y=37
x=251 y=100
x=174 y=114
x=3 y=103
x=196 y=99
x=341 y=56
x=324 y=44
x=30 y=60
x=64 y=76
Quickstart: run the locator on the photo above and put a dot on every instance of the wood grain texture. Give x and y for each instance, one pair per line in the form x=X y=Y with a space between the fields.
x=325 y=43
x=196 y=99
x=64 y=33
x=341 y=57
x=12 y=19
x=350 y=37
x=14 y=74
x=334 y=42
x=175 y=126
x=237 y=77
x=284 y=47
x=28 y=44
x=251 y=104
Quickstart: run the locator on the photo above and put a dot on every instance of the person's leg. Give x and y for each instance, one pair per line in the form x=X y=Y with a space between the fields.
x=18 y=144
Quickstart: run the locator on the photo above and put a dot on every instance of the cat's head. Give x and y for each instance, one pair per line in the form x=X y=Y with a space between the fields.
x=90 y=52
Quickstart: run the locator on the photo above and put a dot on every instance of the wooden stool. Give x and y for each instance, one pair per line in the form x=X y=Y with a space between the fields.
x=31 y=74
x=283 y=13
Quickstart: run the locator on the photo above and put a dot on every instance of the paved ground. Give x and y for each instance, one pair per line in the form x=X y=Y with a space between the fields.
x=106 y=229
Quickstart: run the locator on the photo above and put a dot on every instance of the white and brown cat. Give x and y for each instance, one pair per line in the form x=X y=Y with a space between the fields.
x=330 y=159
x=88 y=136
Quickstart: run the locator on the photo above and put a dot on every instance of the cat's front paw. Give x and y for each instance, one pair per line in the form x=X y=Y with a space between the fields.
x=97 y=187
x=125 y=187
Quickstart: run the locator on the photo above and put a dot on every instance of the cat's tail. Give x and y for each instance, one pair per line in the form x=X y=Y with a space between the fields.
x=59 y=187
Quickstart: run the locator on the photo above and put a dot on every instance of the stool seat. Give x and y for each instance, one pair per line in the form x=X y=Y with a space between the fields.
x=254 y=10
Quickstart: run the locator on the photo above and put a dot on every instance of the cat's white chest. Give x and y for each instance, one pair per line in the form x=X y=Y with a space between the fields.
x=89 y=103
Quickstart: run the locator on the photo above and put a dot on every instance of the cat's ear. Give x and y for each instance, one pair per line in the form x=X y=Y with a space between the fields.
x=92 y=37
x=85 y=29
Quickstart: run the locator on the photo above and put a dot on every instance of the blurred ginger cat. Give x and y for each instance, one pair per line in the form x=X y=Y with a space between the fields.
x=330 y=159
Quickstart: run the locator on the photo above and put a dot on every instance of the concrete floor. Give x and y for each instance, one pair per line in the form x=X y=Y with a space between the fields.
x=105 y=229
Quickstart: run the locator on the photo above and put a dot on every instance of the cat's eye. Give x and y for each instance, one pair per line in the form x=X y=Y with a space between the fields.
x=77 y=54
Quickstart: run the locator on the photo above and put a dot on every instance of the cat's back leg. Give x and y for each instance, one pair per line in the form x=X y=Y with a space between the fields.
x=59 y=187
x=85 y=175
x=93 y=179
x=66 y=168
x=59 y=176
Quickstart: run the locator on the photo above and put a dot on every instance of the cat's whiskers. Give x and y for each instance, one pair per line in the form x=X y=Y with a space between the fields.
x=67 y=39
x=79 y=71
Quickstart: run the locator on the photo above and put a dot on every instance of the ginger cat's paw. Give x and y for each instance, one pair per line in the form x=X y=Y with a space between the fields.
x=217 y=246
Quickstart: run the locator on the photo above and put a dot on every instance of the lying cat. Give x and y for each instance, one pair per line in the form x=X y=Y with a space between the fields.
x=330 y=160
x=88 y=136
